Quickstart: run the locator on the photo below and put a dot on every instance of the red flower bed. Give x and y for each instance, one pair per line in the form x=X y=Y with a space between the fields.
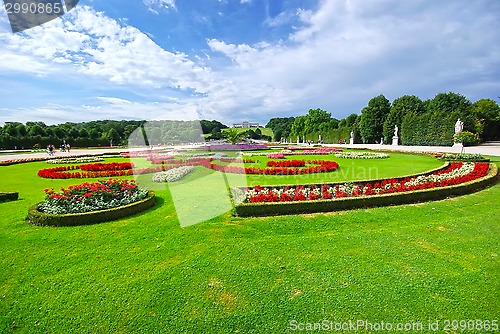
x=286 y=163
x=96 y=170
x=99 y=167
x=122 y=169
x=324 y=167
x=258 y=194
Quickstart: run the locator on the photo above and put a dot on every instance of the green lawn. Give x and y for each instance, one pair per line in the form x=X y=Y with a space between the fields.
x=144 y=274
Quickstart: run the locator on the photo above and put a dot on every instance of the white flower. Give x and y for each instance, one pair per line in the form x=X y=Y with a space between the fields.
x=172 y=175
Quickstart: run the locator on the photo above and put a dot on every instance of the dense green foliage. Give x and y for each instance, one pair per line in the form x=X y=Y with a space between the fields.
x=373 y=118
x=429 y=122
x=38 y=134
x=282 y=127
x=105 y=133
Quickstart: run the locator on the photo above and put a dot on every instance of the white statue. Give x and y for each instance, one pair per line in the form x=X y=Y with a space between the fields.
x=396 y=129
x=352 y=134
x=459 y=126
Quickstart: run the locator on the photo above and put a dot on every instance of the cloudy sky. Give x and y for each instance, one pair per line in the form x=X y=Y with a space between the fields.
x=235 y=60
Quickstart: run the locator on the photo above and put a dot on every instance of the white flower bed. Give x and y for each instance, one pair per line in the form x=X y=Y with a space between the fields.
x=462 y=171
x=361 y=155
x=256 y=154
x=172 y=175
x=80 y=160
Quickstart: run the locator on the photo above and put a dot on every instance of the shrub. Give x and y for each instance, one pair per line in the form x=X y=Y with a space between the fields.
x=466 y=137
x=8 y=196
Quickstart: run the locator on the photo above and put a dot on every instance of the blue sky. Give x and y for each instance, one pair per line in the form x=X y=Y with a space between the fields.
x=235 y=60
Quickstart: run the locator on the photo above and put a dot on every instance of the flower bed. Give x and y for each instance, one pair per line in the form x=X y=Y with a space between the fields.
x=85 y=197
x=172 y=175
x=314 y=151
x=463 y=157
x=36 y=217
x=276 y=156
x=255 y=154
x=286 y=163
x=322 y=167
x=237 y=160
x=97 y=170
x=99 y=167
x=361 y=155
x=454 y=179
x=454 y=174
x=80 y=160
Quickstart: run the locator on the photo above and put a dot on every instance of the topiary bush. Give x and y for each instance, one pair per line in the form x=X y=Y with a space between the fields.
x=8 y=196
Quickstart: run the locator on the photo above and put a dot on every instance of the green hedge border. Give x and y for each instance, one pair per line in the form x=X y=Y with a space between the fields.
x=39 y=218
x=10 y=196
x=292 y=208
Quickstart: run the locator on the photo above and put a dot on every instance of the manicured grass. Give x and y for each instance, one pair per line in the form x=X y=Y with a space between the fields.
x=145 y=273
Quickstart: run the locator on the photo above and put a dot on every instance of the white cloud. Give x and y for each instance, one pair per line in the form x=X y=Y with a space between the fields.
x=349 y=52
x=98 y=46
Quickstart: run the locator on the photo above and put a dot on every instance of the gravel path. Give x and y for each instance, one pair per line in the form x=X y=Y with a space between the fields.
x=485 y=149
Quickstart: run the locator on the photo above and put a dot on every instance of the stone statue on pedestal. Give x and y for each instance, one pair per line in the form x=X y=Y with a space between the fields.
x=459 y=126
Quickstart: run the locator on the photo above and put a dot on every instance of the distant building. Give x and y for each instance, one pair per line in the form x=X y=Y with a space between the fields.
x=246 y=125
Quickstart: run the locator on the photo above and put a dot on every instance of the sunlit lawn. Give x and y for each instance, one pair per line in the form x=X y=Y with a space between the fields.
x=145 y=273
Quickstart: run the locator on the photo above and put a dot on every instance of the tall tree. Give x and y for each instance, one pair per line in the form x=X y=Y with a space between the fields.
x=373 y=117
x=314 y=118
x=281 y=126
x=487 y=113
x=299 y=126
x=113 y=137
x=234 y=136
x=399 y=108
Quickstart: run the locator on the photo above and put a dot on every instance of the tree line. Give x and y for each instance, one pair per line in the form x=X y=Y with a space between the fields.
x=16 y=135
x=429 y=122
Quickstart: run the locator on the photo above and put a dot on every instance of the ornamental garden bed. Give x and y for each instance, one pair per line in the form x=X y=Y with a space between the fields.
x=8 y=196
x=314 y=198
x=91 y=203
x=96 y=170
x=467 y=157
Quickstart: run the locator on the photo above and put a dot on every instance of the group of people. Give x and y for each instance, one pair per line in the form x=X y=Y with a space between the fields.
x=64 y=148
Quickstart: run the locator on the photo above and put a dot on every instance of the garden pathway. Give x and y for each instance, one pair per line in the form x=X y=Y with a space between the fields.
x=485 y=149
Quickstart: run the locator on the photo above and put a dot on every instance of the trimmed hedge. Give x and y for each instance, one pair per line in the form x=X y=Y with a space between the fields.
x=348 y=203
x=5 y=197
x=37 y=217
